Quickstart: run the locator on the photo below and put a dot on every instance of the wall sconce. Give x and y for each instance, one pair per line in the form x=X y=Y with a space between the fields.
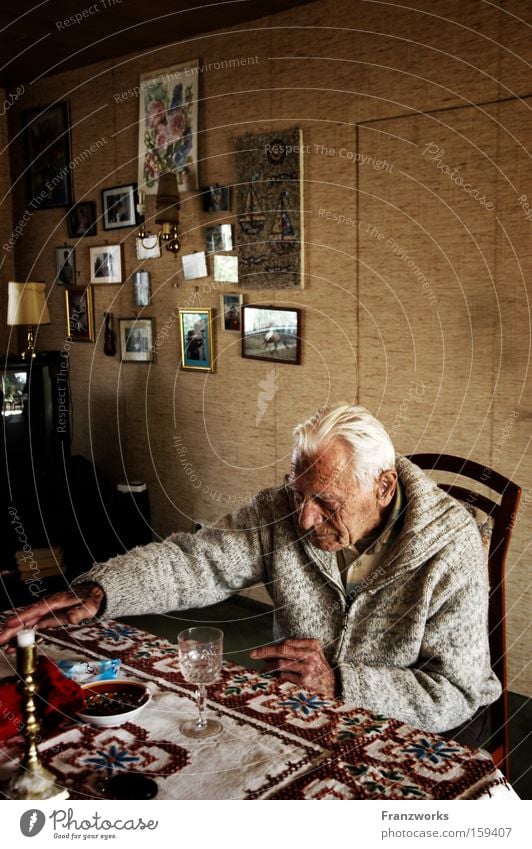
x=167 y=214
x=26 y=305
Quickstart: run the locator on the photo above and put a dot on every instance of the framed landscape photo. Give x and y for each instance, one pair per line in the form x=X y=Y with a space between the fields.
x=106 y=264
x=46 y=132
x=82 y=219
x=195 y=331
x=136 y=340
x=271 y=333
x=230 y=311
x=65 y=266
x=80 y=314
x=119 y=207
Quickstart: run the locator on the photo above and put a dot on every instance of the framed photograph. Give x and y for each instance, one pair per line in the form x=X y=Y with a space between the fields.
x=119 y=207
x=148 y=247
x=65 y=266
x=80 y=314
x=46 y=132
x=106 y=264
x=168 y=126
x=225 y=268
x=195 y=330
x=194 y=265
x=82 y=219
x=141 y=288
x=218 y=238
x=216 y=198
x=230 y=305
x=271 y=333
x=136 y=340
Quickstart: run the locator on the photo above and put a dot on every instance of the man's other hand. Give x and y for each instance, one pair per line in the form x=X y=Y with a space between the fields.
x=301 y=662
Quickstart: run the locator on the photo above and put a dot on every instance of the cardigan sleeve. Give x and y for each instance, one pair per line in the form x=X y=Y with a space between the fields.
x=185 y=570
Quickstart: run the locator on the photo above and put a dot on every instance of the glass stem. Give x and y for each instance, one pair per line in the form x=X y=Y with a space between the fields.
x=201 y=695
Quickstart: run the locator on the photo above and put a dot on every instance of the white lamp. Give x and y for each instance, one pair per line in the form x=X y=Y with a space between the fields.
x=27 y=305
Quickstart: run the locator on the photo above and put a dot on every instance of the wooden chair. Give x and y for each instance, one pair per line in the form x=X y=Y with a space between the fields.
x=496 y=531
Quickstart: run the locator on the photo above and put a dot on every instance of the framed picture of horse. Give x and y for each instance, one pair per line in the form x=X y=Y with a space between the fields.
x=271 y=333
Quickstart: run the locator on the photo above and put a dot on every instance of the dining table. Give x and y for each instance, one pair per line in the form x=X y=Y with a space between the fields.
x=278 y=740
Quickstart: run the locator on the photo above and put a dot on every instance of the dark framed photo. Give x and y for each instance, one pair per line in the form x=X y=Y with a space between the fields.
x=46 y=132
x=106 y=264
x=195 y=330
x=218 y=238
x=230 y=304
x=271 y=333
x=216 y=198
x=136 y=340
x=82 y=219
x=119 y=207
x=65 y=266
x=80 y=314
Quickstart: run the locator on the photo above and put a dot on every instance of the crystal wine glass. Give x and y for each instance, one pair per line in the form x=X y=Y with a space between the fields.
x=200 y=659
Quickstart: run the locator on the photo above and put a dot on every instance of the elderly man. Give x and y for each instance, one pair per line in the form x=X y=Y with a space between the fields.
x=378 y=578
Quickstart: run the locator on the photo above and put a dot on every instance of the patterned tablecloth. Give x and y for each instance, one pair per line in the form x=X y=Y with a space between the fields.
x=278 y=741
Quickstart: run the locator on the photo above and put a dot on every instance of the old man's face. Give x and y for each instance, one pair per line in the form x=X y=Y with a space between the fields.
x=334 y=511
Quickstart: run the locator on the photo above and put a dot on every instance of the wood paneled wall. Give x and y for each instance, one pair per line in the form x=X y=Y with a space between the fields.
x=369 y=328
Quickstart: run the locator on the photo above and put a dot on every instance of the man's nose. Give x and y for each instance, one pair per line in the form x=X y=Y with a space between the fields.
x=309 y=515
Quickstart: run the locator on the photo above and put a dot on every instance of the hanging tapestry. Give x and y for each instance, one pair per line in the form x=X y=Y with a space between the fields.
x=269 y=210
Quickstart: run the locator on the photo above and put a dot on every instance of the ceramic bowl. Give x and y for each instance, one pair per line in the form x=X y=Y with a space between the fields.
x=111 y=703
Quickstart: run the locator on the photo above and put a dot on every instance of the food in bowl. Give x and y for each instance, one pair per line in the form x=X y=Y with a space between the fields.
x=109 y=703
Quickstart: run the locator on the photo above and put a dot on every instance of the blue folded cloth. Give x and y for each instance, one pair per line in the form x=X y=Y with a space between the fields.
x=88 y=671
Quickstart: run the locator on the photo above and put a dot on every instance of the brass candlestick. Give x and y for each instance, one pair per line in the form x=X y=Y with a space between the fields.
x=33 y=780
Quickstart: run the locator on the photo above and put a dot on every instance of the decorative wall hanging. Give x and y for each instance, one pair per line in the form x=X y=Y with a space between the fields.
x=168 y=126
x=270 y=209
x=141 y=288
x=119 y=207
x=195 y=330
x=218 y=238
x=225 y=269
x=46 y=133
x=194 y=265
x=216 y=198
x=271 y=333
x=80 y=314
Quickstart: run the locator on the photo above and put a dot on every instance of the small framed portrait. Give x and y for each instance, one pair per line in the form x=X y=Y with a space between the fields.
x=195 y=330
x=80 y=314
x=218 y=238
x=106 y=264
x=230 y=305
x=271 y=333
x=46 y=132
x=119 y=207
x=216 y=198
x=82 y=219
x=141 y=288
x=148 y=247
x=65 y=266
x=136 y=340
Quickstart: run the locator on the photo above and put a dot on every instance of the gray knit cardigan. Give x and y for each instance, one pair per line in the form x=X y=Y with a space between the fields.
x=412 y=645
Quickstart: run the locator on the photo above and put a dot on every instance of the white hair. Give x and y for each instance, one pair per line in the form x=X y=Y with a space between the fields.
x=371 y=448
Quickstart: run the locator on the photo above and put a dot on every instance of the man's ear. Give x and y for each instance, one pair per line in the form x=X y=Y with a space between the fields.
x=386 y=486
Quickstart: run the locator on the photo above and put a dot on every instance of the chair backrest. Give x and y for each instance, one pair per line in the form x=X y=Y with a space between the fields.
x=496 y=529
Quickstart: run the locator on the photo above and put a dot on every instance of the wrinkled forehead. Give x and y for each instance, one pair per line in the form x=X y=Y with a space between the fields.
x=327 y=468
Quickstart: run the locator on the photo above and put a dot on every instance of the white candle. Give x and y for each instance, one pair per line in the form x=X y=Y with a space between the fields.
x=25 y=638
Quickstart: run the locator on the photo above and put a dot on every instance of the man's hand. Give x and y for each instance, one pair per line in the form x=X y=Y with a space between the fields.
x=300 y=661
x=65 y=608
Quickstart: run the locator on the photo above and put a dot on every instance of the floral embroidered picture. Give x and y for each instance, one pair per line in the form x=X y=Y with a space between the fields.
x=168 y=126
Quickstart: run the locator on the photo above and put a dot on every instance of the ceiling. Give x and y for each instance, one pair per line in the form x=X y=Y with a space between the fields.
x=43 y=37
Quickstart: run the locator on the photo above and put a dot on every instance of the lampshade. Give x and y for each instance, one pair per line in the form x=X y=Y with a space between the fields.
x=27 y=304
x=167 y=200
